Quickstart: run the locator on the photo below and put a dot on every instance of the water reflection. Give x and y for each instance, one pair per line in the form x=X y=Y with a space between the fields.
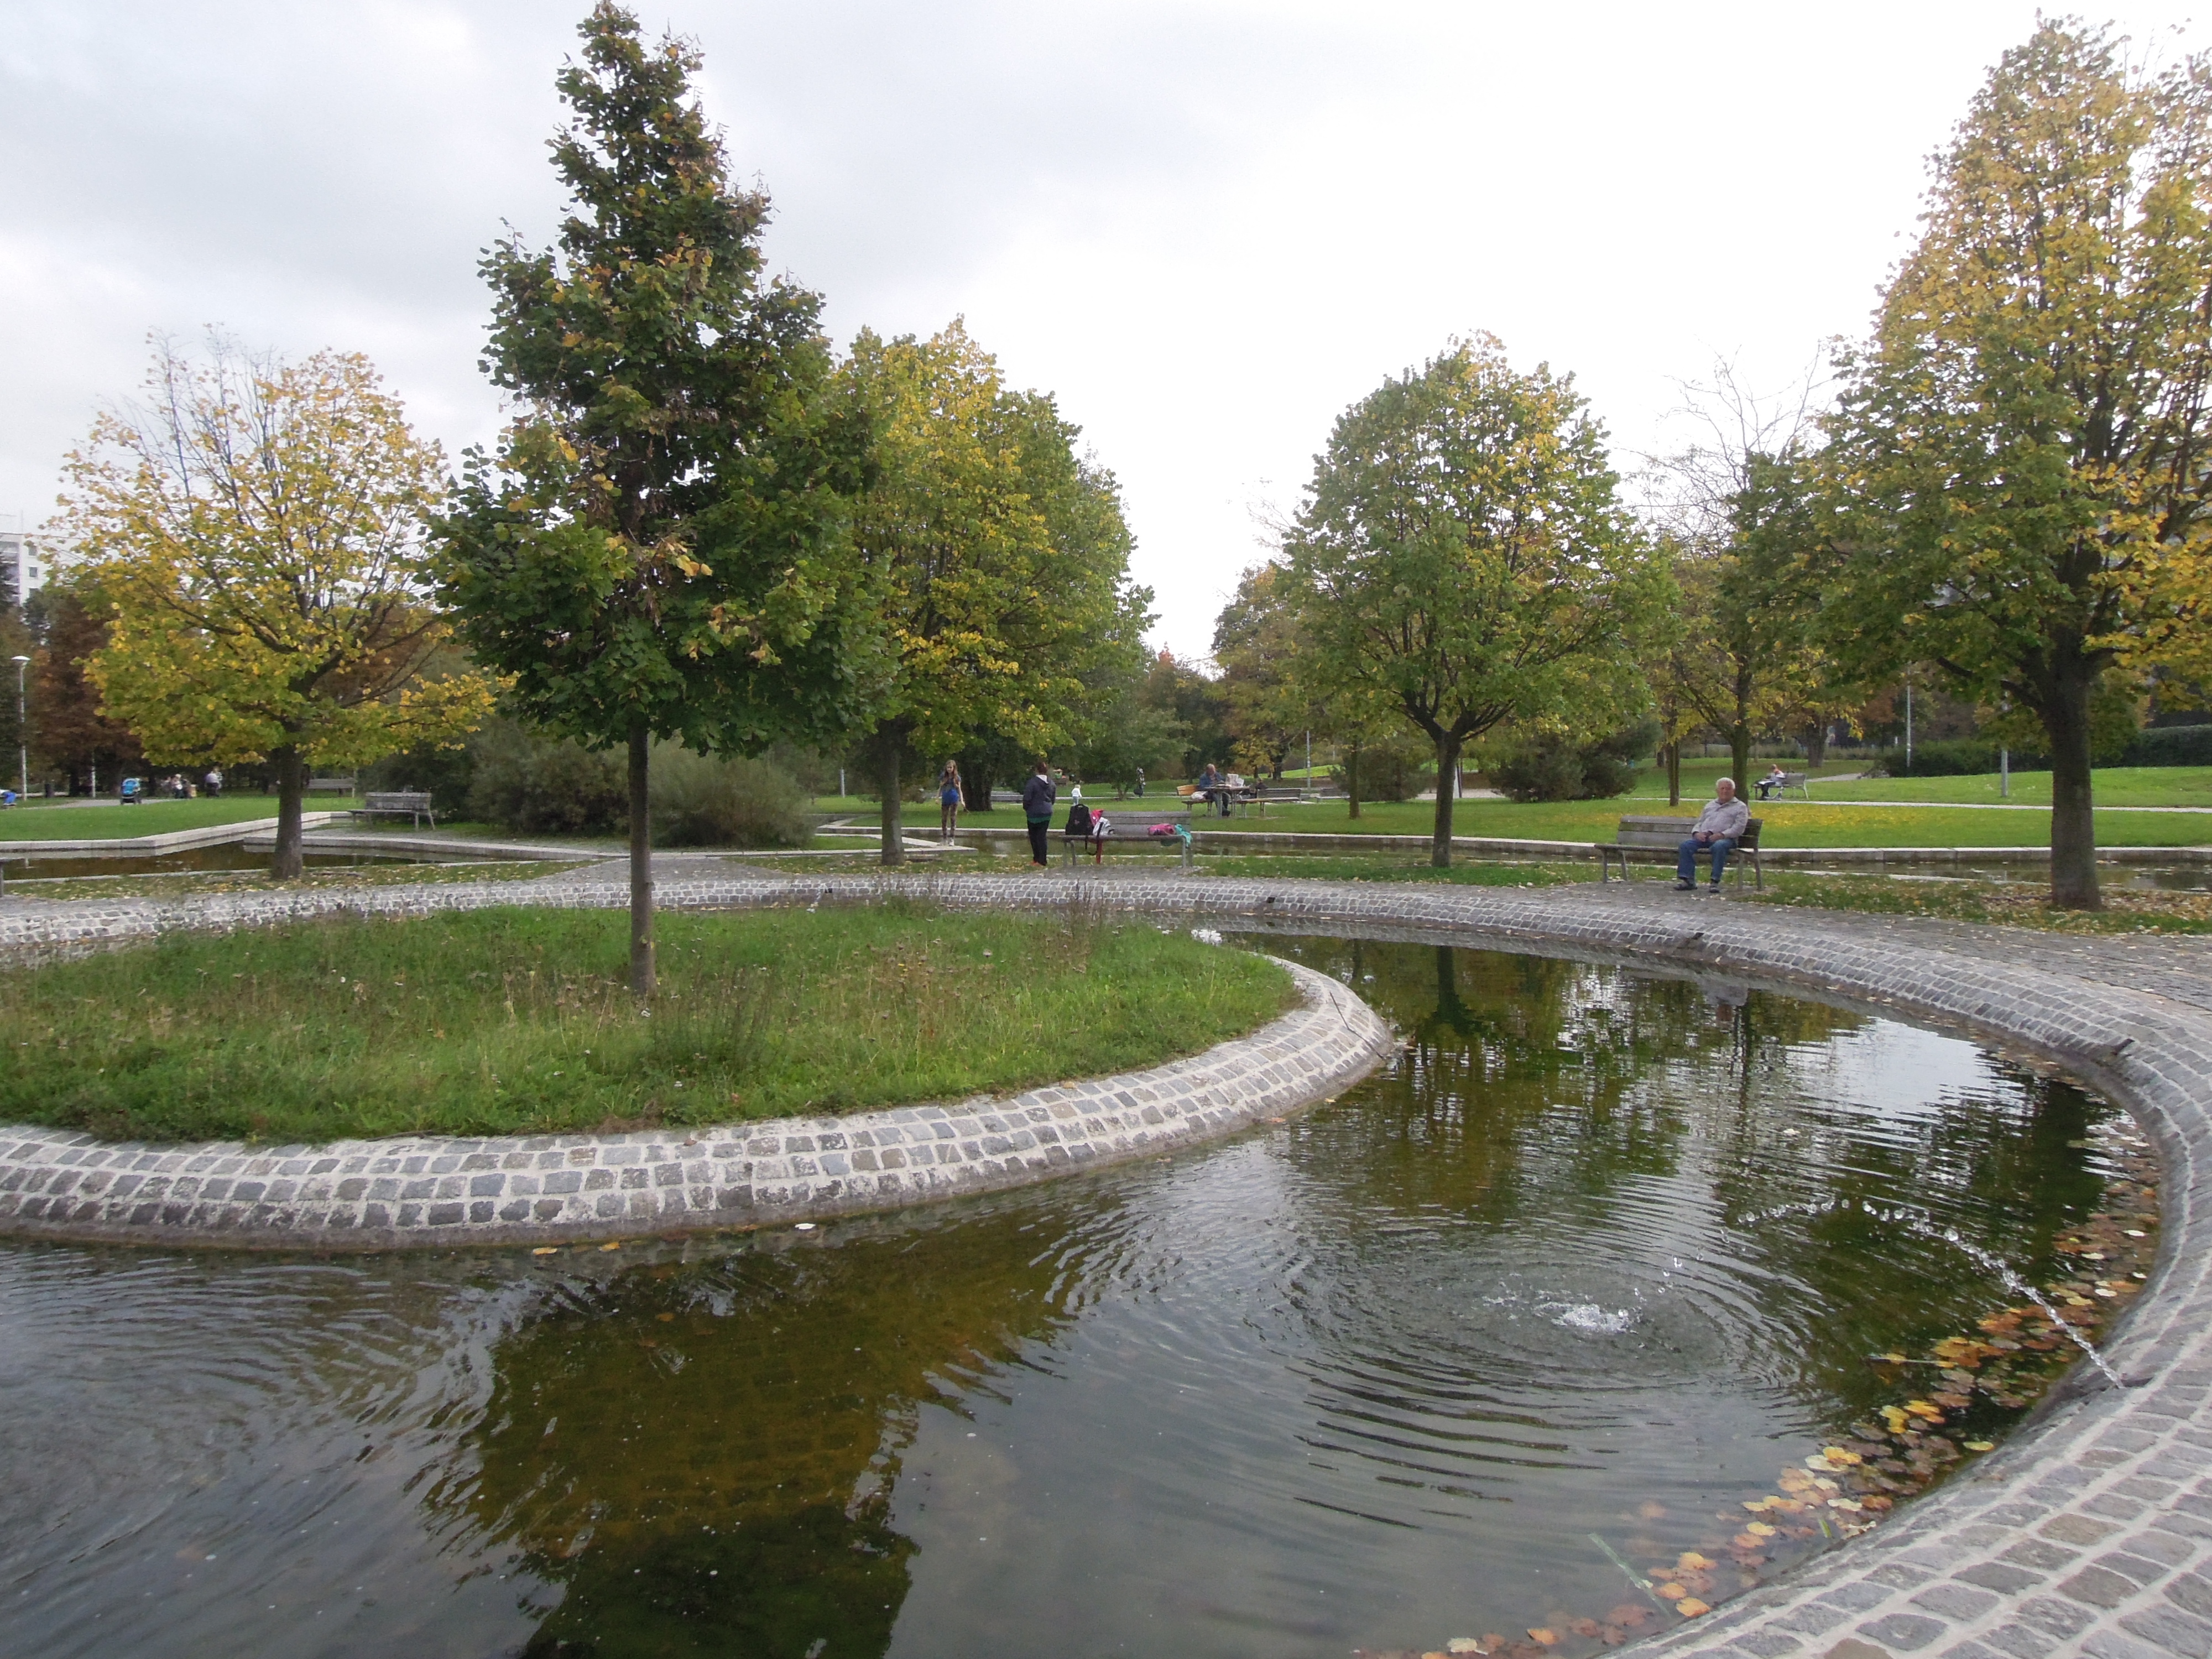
x=1595 y=1256
x=701 y=1457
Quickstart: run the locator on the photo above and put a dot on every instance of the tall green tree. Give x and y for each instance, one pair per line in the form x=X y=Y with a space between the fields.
x=999 y=554
x=659 y=547
x=1258 y=648
x=1462 y=554
x=1738 y=658
x=257 y=529
x=2019 y=459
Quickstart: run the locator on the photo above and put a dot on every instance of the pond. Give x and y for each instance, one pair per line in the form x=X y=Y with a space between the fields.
x=1598 y=1263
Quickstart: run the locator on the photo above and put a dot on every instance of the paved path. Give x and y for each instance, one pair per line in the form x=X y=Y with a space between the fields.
x=2089 y=1534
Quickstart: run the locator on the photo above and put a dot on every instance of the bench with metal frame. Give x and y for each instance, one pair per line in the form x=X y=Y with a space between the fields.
x=1766 y=790
x=1662 y=835
x=1131 y=828
x=397 y=803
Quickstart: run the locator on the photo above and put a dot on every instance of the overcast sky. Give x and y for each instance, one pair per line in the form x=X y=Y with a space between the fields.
x=1206 y=228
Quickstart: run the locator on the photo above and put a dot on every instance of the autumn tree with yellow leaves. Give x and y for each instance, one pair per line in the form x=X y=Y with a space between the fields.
x=997 y=556
x=258 y=527
x=2019 y=459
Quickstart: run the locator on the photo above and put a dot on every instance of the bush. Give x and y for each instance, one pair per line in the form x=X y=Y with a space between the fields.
x=1393 y=768
x=2170 y=745
x=1950 y=757
x=535 y=785
x=1554 y=768
x=701 y=800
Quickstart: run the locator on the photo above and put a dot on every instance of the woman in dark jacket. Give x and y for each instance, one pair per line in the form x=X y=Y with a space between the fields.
x=1037 y=797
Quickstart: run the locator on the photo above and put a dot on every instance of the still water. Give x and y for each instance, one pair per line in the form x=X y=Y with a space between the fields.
x=1597 y=1256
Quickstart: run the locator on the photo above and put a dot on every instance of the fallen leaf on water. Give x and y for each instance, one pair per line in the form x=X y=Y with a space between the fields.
x=1756 y=1505
x=1652 y=1511
x=1584 y=1627
x=1843 y=1503
x=547 y=1250
x=1628 y=1614
x=1543 y=1635
x=1463 y=1644
x=1839 y=1459
x=1980 y=1445
x=1744 y=1540
x=666 y=1319
x=1759 y=1529
x=1896 y=1417
x=1689 y=1606
x=1691 y=1561
x=1672 y=1592
x=611 y=1244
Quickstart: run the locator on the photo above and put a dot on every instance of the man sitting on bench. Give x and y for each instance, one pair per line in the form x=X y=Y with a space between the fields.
x=1718 y=827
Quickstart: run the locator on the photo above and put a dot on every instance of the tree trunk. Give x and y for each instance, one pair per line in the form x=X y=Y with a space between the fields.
x=1351 y=775
x=1446 y=774
x=291 y=788
x=1674 y=752
x=1740 y=756
x=642 y=977
x=1816 y=746
x=2073 y=828
x=887 y=745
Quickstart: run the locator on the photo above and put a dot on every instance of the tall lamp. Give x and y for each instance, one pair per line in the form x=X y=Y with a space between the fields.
x=22 y=733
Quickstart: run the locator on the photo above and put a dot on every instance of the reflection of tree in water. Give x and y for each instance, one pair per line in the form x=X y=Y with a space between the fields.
x=1532 y=1086
x=703 y=1456
x=1527 y=1079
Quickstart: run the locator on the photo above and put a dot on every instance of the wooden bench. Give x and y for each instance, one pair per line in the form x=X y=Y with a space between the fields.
x=1765 y=790
x=1646 y=835
x=397 y=803
x=1131 y=828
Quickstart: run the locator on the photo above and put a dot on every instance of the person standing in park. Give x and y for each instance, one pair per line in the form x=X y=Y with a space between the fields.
x=1718 y=829
x=948 y=800
x=1037 y=797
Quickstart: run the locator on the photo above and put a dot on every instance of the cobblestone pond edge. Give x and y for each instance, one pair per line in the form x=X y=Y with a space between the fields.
x=2090 y=1533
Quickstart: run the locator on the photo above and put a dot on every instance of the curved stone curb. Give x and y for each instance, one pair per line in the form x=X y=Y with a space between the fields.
x=413 y=1191
x=2089 y=1534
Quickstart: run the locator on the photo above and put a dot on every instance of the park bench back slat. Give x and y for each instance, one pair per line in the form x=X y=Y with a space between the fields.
x=1639 y=833
x=395 y=803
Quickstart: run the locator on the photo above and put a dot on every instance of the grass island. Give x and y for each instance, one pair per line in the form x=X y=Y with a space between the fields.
x=517 y=1020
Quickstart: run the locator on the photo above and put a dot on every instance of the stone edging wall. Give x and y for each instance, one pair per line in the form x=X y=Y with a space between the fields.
x=2089 y=1534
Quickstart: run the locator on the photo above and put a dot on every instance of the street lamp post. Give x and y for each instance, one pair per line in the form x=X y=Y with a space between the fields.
x=22 y=735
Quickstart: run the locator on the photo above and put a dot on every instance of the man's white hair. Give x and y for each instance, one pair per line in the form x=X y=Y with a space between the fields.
x=1717 y=783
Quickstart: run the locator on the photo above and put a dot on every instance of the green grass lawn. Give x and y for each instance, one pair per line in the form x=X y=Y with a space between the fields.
x=153 y=818
x=2115 y=785
x=1788 y=824
x=518 y=1020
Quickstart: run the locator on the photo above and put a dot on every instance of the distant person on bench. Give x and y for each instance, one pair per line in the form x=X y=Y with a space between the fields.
x=1717 y=830
x=1774 y=778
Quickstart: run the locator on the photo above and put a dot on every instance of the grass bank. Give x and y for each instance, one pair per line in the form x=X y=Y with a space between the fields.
x=517 y=1020
x=88 y=821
